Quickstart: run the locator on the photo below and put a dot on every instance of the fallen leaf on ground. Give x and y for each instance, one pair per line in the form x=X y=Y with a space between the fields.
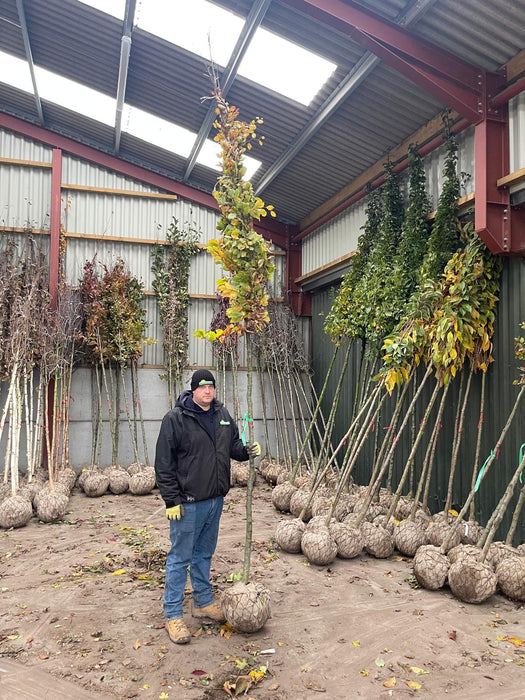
x=137 y=644
x=516 y=641
x=413 y=685
x=390 y=683
x=418 y=671
x=452 y=635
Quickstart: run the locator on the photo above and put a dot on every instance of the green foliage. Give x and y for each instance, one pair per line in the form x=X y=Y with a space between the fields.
x=454 y=321
x=113 y=327
x=375 y=295
x=444 y=237
x=171 y=268
x=413 y=243
x=344 y=317
x=519 y=350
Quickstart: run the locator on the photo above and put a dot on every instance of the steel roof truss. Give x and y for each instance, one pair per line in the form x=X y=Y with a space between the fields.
x=29 y=57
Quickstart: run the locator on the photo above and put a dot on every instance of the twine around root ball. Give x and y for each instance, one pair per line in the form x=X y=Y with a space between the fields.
x=431 y=567
x=246 y=606
x=318 y=547
x=472 y=581
x=288 y=535
x=511 y=577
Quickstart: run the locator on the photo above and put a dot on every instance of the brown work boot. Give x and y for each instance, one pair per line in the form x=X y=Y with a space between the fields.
x=177 y=630
x=212 y=611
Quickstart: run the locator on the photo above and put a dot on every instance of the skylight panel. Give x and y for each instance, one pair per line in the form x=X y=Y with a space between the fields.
x=116 y=8
x=75 y=96
x=209 y=156
x=15 y=72
x=58 y=89
x=174 y=138
x=157 y=131
x=285 y=67
x=198 y=26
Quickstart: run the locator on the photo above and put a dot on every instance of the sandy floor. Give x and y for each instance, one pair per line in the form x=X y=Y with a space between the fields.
x=81 y=600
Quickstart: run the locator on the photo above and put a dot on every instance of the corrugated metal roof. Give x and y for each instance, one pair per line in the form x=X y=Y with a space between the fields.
x=83 y=44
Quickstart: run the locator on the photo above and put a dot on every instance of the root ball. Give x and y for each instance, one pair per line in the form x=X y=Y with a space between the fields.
x=246 y=606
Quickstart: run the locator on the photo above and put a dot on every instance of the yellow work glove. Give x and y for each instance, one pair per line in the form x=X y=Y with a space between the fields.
x=253 y=449
x=175 y=512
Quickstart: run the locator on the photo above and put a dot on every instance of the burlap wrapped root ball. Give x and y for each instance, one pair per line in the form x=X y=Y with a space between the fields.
x=239 y=473
x=462 y=551
x=68 y=477
x=345 y=505
x=348 y=539
x=118 y=479
x=15 y=511
x=289 y=533
x=135 y=468
x=472 y=581
x=318 y=547
x=143 y=482
x=409 y=536
x=285 y=475
x=281 y=496
x=511 y=577
x=85 y=472
x=438 y=532
x=470 y=532
x=321 y=505
x=52 y=503
x=95 y=484
x=273 y=471
x=246 y=606
x=298 y=502
x=498 y=551
x=431 y=567
x=377 y=540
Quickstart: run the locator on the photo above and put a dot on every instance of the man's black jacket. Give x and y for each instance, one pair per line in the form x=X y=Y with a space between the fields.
x=189 y=465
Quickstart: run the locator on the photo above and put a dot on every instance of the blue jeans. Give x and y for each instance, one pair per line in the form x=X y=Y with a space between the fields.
x=193 y=541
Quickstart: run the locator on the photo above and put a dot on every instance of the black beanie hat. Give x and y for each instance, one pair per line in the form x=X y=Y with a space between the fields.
x=201 y=377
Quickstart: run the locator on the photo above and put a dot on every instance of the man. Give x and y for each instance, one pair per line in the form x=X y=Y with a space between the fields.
x=196 y=441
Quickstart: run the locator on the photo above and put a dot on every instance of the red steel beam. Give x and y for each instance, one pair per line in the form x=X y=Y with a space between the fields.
x=455 y=82
x=55 y=220
x=479 y=96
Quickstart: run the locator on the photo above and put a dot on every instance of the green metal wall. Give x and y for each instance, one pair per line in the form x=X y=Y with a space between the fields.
x=500 y=397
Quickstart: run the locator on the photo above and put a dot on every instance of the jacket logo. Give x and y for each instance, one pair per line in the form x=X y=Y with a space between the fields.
x=224 y=422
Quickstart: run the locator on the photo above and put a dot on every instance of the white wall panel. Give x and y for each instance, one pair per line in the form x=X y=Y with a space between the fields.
x=517 y=132
x=334 y=239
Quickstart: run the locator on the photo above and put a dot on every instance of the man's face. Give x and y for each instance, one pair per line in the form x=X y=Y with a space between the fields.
x=203 y=396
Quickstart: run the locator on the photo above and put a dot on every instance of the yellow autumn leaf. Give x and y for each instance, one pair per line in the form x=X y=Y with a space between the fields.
x=516 y=641
x=365 y=672
x=356 y=643
x=163 y=696
x=390 y=683
x=418 y=671
x=118 y=572
x=413 y=685
x=137 y=644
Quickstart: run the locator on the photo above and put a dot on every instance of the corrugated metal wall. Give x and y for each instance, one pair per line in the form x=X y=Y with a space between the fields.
x=110 y=224
x=93 y=219
x=500 y=397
